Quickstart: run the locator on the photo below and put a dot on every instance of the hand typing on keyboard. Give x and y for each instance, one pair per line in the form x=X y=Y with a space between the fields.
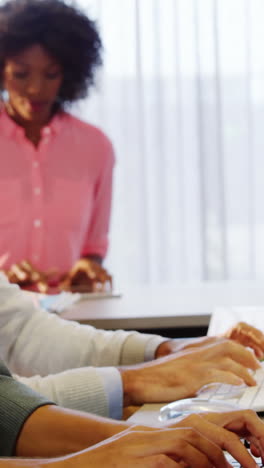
x=241 y=395
x=226 y=430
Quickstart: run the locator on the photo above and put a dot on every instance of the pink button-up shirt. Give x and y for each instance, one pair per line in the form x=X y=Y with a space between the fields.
x=55 y=200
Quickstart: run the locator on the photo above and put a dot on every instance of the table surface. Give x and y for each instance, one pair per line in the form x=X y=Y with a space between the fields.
x=165 y=306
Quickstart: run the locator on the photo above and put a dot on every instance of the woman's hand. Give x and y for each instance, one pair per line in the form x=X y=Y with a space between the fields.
x=27 y=276
x=87 y=276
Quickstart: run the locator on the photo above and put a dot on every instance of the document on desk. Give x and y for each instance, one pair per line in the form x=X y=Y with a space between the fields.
x=225 y=317
x=58 y=303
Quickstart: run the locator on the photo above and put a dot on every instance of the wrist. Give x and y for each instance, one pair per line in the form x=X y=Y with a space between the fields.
x=128 y=380
x=163 y=349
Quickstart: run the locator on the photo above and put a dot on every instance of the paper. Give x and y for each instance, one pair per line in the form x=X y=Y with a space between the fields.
x=225 y=317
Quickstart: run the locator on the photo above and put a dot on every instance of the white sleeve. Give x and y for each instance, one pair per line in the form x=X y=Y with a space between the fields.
x=33 y=341
x=98 y=391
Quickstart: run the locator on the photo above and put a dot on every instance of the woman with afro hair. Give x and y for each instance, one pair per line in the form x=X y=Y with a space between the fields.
x=55 y=170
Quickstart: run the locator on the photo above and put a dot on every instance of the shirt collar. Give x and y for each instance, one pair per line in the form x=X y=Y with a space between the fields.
x=10 y=128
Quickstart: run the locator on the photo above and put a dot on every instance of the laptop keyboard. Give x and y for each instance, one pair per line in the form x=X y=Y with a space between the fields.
x=236 y=464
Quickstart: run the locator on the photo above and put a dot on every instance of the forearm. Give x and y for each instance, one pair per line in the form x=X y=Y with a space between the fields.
x=25 y=329
x=52 y=431
x=182 y=344
x=23 y=463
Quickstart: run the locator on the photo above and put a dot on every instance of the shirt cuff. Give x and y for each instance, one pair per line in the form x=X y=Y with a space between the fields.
x=113 y=386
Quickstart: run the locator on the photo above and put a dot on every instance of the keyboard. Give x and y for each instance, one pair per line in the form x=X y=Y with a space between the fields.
x=243 y=396
x=236 y=464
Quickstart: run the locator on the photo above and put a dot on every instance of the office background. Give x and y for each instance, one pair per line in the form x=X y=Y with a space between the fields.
x=181 y=95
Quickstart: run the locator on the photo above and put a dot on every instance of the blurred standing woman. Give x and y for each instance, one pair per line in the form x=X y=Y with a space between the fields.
x=55 y=170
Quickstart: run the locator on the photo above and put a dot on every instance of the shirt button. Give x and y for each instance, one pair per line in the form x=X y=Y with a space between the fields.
x=37 y=223
x=37 y=190
x=35 y=164
x=46 y=131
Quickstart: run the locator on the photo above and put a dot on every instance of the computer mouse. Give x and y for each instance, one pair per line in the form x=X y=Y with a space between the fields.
x=194 y=405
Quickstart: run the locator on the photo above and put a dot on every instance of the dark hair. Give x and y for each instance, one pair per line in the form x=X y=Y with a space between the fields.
x=63 y=31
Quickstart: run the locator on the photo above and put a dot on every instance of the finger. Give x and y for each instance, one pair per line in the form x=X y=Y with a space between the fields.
x=33 y=274
x=255 y=451
x=83 y=266
x=239 y=370
x=225 y=439
x=258 y=351
x=183 y=444
x=107 y=283
x=102 y=276
x=197 y=450
x=243 y=329
x=248 y=339
x=88 y=270
x=235 y=351
x=42 y=287
x=231 y=443
x=26 y=265
x=248 y=425
x=222 y=376
x=244 y=423
x=101 y=279
x=82 y=279
x=19 y=272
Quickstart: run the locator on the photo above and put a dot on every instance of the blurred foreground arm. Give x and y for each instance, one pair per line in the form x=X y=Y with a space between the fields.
x=242 y=333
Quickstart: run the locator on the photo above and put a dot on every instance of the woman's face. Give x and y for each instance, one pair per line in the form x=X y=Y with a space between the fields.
x=32 y=79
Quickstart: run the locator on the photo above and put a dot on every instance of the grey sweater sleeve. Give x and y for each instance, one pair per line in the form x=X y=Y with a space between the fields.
x=17 y=403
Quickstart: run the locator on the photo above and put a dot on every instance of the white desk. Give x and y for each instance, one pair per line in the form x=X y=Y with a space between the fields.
x=165 y=306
